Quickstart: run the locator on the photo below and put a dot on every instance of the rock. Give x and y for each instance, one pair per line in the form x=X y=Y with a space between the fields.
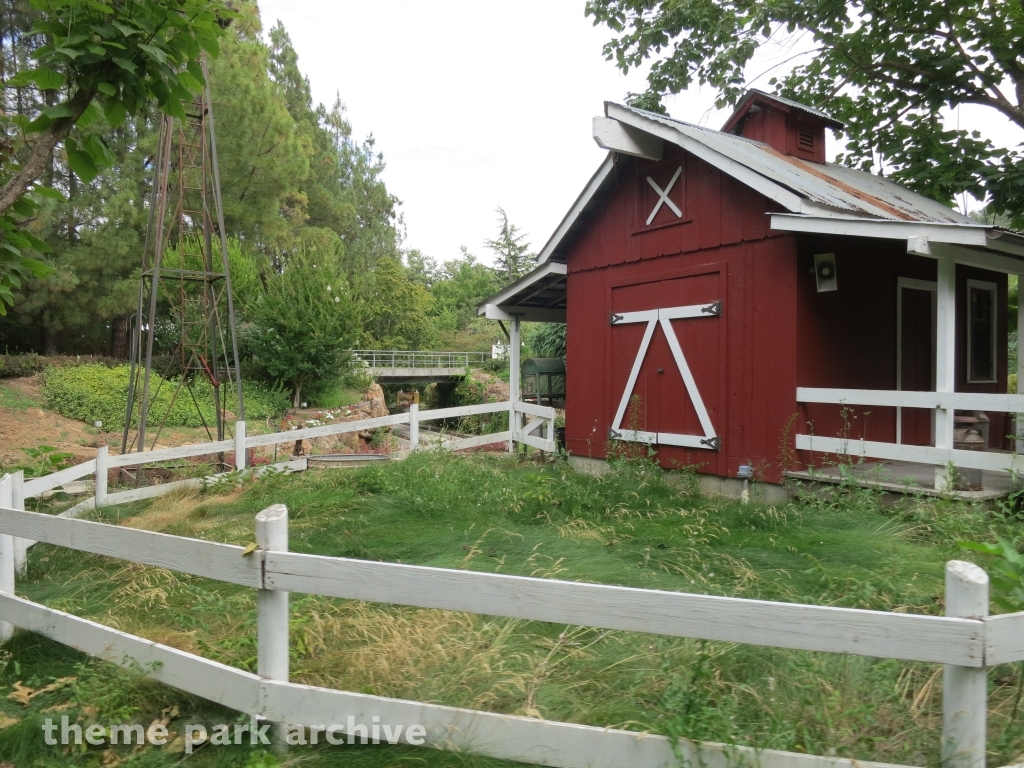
x=494 y=389
x=372 y=406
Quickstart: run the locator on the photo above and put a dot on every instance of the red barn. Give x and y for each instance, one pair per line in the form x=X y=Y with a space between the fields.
x=735 y=300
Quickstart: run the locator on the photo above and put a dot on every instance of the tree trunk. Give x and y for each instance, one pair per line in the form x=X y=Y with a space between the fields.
x=42 y=147
x=119 y=337
x=49 y=342
x=298 y=394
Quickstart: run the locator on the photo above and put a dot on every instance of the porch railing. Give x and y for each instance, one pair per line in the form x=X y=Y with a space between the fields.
x=921 y=454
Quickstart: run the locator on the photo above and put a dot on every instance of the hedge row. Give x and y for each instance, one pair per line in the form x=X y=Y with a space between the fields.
x=29 y=364
x=97 y=393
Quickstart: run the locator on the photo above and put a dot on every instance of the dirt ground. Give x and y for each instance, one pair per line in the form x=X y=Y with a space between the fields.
x=24 y=423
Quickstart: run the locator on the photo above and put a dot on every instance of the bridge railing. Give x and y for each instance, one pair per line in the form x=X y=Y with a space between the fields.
x=398 y=358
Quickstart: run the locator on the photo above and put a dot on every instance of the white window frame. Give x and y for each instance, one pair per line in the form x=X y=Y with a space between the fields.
x=982 y=285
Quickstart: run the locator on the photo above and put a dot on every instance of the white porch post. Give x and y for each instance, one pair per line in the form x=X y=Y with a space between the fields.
x=514 y=342
x=1020 y=363
x=945 y=359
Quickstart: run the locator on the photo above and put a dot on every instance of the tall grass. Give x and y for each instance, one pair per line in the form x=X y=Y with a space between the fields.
x=633 y=526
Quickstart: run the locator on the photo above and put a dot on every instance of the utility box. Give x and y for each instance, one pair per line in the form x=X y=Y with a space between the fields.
x=543 y=381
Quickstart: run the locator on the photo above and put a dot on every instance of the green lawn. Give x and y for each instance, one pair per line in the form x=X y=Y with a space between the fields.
x=12 y=398
x=629 y=527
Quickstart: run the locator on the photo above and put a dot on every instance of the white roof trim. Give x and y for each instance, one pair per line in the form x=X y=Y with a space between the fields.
x=887 y=229
x=934 y=239
x=526 y=314
x=595 y=183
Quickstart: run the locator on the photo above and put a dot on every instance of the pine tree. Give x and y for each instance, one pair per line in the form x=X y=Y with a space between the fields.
x=512 y=255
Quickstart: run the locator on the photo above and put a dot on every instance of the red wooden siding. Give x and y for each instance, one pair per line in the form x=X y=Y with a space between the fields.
x=743 y=362
x=776 y=332
x=847 y=338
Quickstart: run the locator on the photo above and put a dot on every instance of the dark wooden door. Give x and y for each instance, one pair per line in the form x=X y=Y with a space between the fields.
x=917 y=360
x=644 y=401
x=699 y=342
x=661 y=404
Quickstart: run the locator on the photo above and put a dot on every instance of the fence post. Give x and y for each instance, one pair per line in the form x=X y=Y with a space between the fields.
x=240 y=458
x=964 y=689
x=101 y=475
x=6 y=554
x=414 y=426
x=272 y=606
x=18 y=502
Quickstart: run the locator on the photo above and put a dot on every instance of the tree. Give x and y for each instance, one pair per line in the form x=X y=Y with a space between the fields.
x=305 y=321
x=343 y=190
x=511 y=254
x=395 y=309
x=548 y=340
x=887 y=68
x=460 y=286
x=261 y=155
x=422 y=269
x=91 y=60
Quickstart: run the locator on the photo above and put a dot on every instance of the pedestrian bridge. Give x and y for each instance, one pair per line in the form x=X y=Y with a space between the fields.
x=395 y=366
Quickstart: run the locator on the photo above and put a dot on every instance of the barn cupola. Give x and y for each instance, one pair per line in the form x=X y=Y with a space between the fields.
x=786 y=126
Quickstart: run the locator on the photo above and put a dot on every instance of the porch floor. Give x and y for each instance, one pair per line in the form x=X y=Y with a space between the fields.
x=908 y=477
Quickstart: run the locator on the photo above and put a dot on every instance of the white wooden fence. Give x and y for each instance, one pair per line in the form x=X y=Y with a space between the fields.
x=967 y=641
x=966 y=645
x=944 y=402
x=538 y=432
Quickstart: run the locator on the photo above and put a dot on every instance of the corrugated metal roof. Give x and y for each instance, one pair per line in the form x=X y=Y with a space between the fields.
x=836 y=187
x=754 y=93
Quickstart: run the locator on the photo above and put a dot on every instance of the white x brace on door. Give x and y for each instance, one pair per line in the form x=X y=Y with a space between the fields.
x=664 y=317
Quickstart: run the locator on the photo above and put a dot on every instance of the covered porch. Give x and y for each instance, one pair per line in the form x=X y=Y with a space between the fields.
x=538 y=297
x=921 y=406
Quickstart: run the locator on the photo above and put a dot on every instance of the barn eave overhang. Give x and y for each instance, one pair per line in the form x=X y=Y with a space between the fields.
x=539 y=296
x=976 y=244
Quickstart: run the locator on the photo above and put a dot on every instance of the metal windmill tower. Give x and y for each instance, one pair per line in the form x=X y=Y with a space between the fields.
x=186 y=283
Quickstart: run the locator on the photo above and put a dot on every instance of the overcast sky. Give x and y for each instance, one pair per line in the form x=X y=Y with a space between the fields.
x=474 y=105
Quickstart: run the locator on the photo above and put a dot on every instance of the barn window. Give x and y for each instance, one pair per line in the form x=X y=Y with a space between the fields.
x=805 y=139
x=981 y=332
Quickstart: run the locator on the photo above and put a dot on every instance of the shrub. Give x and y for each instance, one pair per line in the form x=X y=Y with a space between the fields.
x=16 y=366
x=95 y=392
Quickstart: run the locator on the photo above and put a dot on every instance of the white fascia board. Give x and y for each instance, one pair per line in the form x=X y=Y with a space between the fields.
x=884 y=229
x=615 y=137
x=526 y=314
x=994 y=262
x=539 y=273
x=1006 y=242
x=930 y=239
x=727 y=165
x=592 y=188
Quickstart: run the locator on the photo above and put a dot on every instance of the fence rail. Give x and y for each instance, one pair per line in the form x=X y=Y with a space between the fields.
x=543 y=421
x=922 y=454
x=396 y=358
